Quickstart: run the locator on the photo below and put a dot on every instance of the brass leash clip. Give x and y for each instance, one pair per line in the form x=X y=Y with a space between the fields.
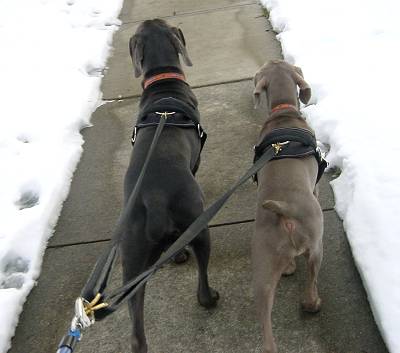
x=165 y=114
x=278 y=146
x=84 y=311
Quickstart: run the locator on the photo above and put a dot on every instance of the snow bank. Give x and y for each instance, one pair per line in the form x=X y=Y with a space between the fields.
x=53 y=54
x=349 y=53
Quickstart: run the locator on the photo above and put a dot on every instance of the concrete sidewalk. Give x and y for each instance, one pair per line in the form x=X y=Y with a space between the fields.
x=227 y=41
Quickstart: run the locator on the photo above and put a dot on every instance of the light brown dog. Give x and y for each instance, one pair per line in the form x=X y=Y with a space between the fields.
x=289 y=220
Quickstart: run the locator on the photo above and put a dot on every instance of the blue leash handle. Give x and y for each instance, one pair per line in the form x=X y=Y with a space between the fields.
x=69 y=341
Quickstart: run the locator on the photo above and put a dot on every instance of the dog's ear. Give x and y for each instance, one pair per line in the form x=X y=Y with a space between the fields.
x=260 y=83
x=305 y=90
x=180 y=35
x=136 y=51
x=178 y=40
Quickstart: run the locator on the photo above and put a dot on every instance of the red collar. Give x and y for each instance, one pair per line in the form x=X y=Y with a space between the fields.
x=283 y=106
x=163 y=76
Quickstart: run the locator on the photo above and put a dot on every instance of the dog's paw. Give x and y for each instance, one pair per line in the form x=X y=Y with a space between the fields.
x=210 y=300
x=181 y=257
x=270 y=351
x=311 y=307
x=137 y=347
x=271 y=348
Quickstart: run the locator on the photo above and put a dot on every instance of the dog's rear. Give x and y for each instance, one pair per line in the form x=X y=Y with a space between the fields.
x=170 y=198
x=289 y=219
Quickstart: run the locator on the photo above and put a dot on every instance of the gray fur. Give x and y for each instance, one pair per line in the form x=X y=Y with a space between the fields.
x=289 y=219
x=170 y=198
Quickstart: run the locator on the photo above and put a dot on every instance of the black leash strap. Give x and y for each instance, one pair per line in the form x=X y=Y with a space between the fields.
x=117 y=297
x=100 y=275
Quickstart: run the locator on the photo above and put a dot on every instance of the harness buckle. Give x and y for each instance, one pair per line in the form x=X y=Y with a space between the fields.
x=278 y=146
x=200 y=131
x=165 y=114
x=133 y=139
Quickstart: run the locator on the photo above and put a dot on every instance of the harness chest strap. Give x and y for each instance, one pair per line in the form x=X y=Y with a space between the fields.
x=291 y=143
x=179 y=113
x=182 y=124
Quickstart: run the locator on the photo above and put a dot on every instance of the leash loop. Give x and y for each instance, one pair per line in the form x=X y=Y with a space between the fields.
x=91 y=307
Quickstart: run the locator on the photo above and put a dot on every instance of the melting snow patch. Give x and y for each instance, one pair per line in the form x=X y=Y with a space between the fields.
x=50 y=85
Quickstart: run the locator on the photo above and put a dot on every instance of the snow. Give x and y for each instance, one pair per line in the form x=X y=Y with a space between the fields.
x=53 y=55
x=349 y=54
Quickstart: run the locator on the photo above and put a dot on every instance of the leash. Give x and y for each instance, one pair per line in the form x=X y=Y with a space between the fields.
x=104 y=304
x=97 y=282
x=85 y=311
x=116 y=298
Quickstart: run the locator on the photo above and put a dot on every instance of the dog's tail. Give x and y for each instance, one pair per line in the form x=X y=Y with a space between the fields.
x=281 y=208
x=287 y=216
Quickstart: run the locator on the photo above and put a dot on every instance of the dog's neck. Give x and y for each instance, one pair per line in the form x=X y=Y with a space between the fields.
x=282 y=92
x=162 y=73
x=283 y=115
x=283 y=106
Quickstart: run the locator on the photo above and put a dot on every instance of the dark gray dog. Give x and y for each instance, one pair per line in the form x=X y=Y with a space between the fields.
x=170 y=198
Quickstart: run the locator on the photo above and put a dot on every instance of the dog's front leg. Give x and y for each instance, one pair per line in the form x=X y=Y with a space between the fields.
x=206 y=296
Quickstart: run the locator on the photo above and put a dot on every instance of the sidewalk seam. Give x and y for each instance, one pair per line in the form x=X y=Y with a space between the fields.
x=216 y=225
x=197 y=12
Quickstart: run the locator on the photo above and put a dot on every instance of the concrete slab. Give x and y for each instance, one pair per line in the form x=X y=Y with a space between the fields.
x=224 y=45
x=134 y=11
x=175 y=322
x=232 y=125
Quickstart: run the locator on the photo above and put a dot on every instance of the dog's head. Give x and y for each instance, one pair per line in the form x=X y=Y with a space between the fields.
x=283 y=75
x=156 y=44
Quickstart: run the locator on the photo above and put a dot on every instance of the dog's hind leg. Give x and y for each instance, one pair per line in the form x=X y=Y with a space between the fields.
x=206 y=296
x=136 y=312
x=268 y=267
x=291 y=268
x=312 y=302
x=137 y=256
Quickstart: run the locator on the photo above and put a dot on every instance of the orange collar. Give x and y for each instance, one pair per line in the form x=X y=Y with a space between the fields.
x=283 y=106
x=163 y=76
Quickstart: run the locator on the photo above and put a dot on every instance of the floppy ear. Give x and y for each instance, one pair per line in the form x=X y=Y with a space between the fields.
x=260 y=83
x=178 y=40
x=136 y=51
x=305 y=90
x=181 y=36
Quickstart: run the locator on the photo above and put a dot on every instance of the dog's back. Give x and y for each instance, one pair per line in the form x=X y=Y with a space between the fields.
x=170 y=197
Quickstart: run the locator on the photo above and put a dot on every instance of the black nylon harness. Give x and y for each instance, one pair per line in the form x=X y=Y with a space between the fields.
x=184 y=116
x=291 y=143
